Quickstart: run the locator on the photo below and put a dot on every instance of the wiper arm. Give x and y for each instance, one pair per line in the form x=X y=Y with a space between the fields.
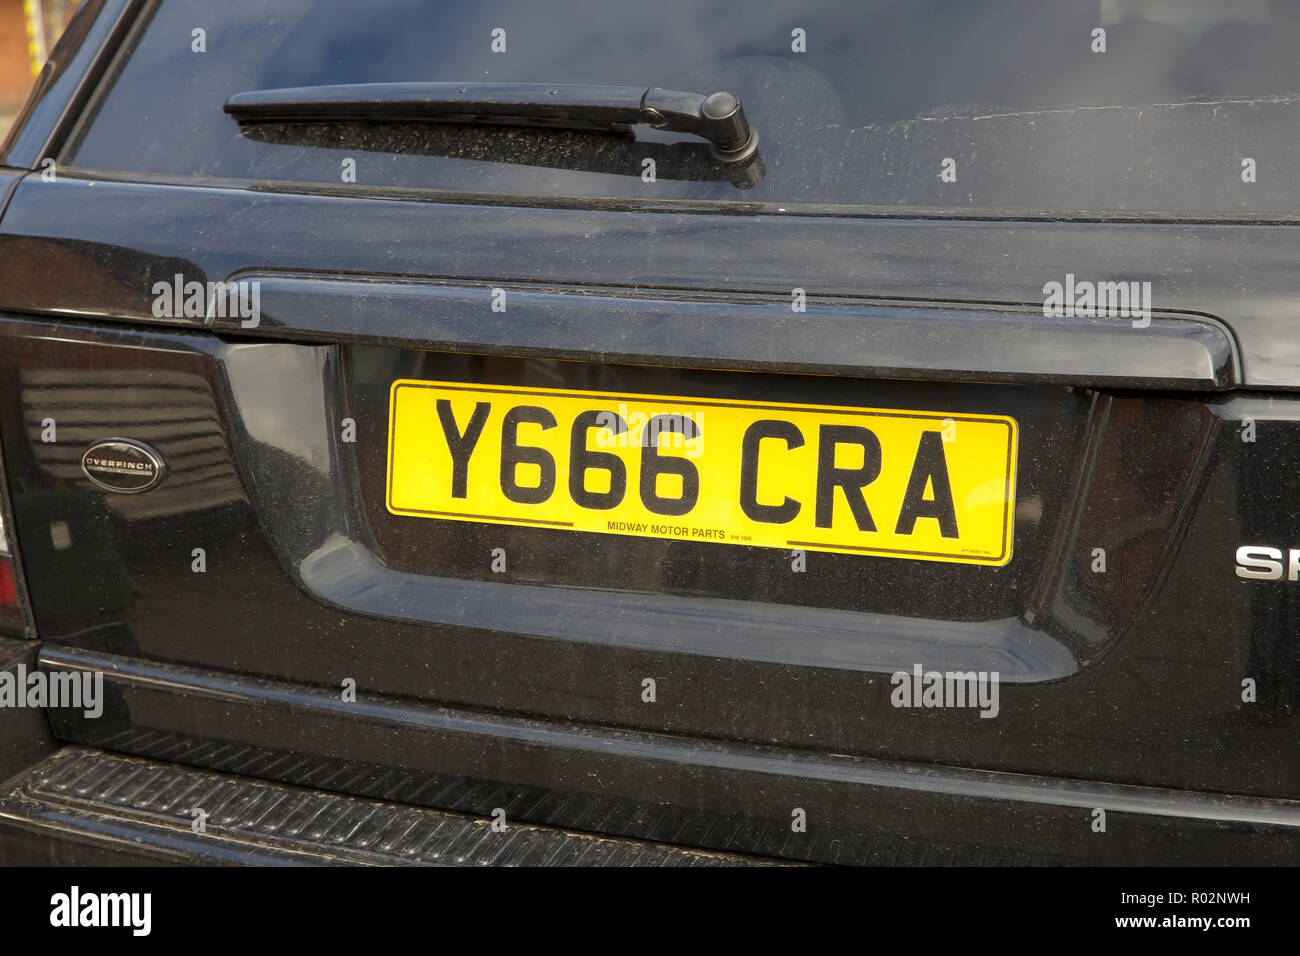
x=717 y=117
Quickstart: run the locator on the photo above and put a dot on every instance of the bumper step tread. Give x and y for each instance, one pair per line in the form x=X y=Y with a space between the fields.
x=144 y=809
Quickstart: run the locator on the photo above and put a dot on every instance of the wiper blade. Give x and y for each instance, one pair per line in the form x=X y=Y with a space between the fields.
x=571 y=151
x=717 y=117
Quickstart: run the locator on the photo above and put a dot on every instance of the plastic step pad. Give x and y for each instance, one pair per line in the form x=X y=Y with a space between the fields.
x=79 y=802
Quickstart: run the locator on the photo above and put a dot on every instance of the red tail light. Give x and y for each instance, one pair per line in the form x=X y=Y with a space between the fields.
x=11 y=612
x=8 y=586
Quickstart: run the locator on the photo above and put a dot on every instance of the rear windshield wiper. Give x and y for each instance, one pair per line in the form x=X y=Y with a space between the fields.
x=717 y=117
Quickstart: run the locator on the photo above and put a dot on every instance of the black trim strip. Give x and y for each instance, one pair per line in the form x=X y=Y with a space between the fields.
x=654 y=328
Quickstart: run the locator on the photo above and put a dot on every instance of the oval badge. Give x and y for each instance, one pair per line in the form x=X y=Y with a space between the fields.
x=123 y=465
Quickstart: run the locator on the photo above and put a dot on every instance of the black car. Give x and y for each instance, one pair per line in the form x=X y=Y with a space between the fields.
x=848 y=431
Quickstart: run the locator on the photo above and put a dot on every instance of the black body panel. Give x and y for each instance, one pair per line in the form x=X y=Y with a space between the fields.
x=234 y=607
x=1119 y=663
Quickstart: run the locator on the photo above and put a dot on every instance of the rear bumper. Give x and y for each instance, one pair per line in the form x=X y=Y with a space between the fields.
x=708 y=795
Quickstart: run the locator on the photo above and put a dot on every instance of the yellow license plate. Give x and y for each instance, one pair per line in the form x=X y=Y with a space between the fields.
x=933 y=486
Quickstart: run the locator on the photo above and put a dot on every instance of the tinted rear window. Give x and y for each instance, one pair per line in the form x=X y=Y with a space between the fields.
x=1162 y=105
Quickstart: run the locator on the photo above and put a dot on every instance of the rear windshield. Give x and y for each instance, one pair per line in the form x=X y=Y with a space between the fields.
x=1143 y=105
